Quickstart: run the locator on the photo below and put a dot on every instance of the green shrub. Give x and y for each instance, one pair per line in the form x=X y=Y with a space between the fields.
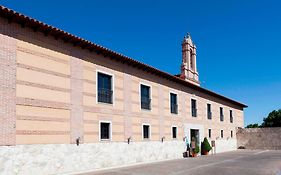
x=205 y=145
x=197 y=149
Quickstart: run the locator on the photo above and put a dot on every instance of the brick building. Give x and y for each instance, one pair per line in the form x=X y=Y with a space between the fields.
x=57 y=89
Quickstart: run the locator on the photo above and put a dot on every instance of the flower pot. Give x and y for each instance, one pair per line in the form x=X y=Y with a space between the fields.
x=194 y=154
x=205 y=152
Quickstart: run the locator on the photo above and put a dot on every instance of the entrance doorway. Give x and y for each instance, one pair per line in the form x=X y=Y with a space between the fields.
x=194 y=135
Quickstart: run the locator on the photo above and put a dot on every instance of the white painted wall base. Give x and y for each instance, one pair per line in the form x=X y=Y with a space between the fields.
x=63 y=158
x=224 y=145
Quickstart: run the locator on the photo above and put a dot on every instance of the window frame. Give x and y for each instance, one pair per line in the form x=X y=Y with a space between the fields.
x=149 y=130
x=209 y=133
x=172 y=132
x=150 y=95
x=210 y=111
x=231 y=116
x=221 y=134
x=196 y=114
x=110 y=130
x=177 y=104
x=221 y=114
x=112 y=86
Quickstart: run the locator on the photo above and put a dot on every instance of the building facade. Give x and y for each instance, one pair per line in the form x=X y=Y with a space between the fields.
x=58 y=89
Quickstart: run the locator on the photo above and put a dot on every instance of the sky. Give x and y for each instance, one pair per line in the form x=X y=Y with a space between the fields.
x=238 y=41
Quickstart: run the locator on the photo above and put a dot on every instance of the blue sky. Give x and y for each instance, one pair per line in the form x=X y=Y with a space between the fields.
x=239 y=51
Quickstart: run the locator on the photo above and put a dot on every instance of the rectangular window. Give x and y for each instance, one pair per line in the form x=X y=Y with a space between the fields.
x=210 y=133
x=146 y=131
x=174 y=132
x=209 y=111
x=145 y=97
x=221 y=133
x=105 y=92
x=173 y=103
x=231 y=116
x=105 y=131
x=193 y=108
x=221 y=114
x=231 y=134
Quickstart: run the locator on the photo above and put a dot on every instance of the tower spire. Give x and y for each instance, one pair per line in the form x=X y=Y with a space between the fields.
x=189 y=67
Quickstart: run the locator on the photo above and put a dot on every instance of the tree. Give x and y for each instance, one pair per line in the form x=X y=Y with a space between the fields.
x=273 y=119
x=255 y=125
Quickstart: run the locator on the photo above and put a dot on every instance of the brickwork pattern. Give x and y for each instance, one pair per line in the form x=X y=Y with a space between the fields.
x=161 y=112
x=127 y=106
x=126 y=97
x=7 y=90
x=76 y=108
x=41 y=103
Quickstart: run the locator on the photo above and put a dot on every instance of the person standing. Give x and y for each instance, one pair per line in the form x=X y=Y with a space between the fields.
x=187 y=146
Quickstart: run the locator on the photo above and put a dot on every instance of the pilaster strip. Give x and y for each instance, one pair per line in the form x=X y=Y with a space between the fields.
x=128 y=131
x=89 y=94
x=161 y=112
x=102 y=110
x=7 y=89
x=76 y=95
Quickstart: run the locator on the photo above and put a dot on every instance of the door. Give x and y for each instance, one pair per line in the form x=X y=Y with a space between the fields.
x=194 y=135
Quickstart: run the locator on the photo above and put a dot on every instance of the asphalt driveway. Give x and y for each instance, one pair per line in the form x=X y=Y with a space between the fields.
x=241 y=162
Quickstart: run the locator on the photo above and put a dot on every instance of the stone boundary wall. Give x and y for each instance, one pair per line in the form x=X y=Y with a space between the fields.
x=259 y=138
x=46 y=159
x=69 y=158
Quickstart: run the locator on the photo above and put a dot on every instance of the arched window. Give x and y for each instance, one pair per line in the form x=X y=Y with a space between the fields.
x=191 y=60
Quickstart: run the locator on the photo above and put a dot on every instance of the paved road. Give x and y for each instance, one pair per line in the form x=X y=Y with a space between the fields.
x=241 y=162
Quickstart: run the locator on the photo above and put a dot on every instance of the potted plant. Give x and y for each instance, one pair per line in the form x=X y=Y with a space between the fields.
x=195 y=151
x=205 y=147
x=194 y=147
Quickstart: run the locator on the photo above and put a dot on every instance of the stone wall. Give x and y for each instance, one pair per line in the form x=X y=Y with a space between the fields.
x=67 y=158
x=259 y=138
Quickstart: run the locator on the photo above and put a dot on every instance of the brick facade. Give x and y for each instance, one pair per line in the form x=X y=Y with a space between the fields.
x=7 y=89
x=76 y=96
x=48 y=99
x=53 y=99
x=127 y=110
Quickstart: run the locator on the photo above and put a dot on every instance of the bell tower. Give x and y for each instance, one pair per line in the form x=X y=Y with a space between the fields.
x=188 y=67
